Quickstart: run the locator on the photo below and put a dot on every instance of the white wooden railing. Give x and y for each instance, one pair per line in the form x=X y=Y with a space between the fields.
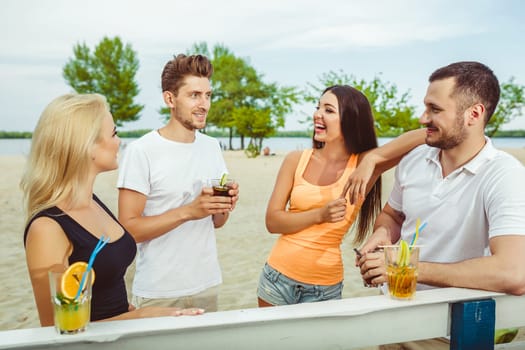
x=342 y=324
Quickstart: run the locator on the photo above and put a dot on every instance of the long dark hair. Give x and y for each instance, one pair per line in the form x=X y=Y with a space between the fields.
x=357 y=126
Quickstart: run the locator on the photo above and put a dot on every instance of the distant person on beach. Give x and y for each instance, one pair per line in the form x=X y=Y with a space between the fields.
x=470 y=194
x=75 y=140
x=164 y=198
x=267 y=152
x=309 y=207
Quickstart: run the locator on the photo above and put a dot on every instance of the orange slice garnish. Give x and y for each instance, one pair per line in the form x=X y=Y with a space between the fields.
x=72 y=277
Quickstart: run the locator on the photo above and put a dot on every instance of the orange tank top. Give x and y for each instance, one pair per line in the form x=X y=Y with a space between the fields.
x=313 y=255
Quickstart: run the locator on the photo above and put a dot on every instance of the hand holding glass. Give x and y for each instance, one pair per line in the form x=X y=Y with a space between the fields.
x=401 y=269
x=222 y=188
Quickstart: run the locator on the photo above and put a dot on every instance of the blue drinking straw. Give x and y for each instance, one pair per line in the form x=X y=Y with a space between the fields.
x=100 y=244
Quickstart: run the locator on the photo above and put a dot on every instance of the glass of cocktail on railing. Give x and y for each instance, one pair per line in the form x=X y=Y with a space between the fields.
x=402 y=268
x=71 y=308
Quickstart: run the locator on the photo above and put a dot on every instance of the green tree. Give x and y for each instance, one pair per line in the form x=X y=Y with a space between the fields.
x=256 y=123
x=510 y=106
x=392 y=112
x=110 y=71
x=236 y=88
x=242 y=102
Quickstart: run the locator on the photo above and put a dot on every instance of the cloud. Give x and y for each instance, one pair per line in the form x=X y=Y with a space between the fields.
x=289 y=41
x=334 y=24
x=379 y=24
x=54 y=26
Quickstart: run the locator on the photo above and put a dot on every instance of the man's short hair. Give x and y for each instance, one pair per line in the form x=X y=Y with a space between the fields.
x=180 y=67
x=474 y=83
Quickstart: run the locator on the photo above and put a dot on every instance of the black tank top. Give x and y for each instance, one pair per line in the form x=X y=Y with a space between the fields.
x=109 y=290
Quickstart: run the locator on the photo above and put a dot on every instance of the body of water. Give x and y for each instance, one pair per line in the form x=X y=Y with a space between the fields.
x=276 y=144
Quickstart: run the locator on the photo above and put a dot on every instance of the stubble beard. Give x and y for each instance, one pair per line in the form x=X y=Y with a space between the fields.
x=188 y=124
x=452 y=138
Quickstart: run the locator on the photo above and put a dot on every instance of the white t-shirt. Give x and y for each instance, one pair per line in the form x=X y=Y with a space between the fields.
x=184 y=260
x=484 y=198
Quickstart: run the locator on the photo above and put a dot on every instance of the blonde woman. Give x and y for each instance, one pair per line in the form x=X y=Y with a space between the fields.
x=75 y=140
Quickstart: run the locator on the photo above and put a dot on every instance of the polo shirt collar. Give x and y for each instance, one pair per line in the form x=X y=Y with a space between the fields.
x=487 y=153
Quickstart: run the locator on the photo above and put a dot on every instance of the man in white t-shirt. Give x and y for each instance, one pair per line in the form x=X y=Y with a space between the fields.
x=470 y=194
x=165 y=200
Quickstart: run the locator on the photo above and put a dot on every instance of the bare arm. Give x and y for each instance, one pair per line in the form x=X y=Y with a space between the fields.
x=387 y=230
x=389 y=155
x=280 y=220
x=372 y=163
x=503 y=271
x=143 y=228
x=154 y=311
x=47 y=249
x=387 y=227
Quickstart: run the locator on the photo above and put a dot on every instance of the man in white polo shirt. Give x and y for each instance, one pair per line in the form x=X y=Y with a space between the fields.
x=470 y=194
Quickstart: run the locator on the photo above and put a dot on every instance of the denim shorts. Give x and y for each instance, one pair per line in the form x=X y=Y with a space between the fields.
x=277 y=289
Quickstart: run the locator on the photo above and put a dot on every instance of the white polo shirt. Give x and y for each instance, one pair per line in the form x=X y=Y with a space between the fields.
x=484 y=198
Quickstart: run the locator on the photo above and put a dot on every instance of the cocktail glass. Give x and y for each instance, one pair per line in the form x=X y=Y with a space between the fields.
x=70 y=316
x=402 y=270
x=221 y=189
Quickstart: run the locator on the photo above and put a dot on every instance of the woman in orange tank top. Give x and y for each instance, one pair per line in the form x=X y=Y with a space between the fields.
x=310 y=208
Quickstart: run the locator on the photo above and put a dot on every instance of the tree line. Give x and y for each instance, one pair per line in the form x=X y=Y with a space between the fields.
x=244 y=104
x=223 y=133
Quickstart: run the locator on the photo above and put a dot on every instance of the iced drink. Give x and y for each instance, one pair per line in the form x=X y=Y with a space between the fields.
x=71 y=312
x=221 y=189
x=401 y=269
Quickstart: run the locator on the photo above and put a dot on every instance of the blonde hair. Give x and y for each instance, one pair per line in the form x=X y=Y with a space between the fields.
x=60 y=150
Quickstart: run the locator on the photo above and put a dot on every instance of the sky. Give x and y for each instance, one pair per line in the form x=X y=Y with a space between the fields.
x=290 y=42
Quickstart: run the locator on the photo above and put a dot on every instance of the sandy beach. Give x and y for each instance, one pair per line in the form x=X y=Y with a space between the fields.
x=243 y=243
